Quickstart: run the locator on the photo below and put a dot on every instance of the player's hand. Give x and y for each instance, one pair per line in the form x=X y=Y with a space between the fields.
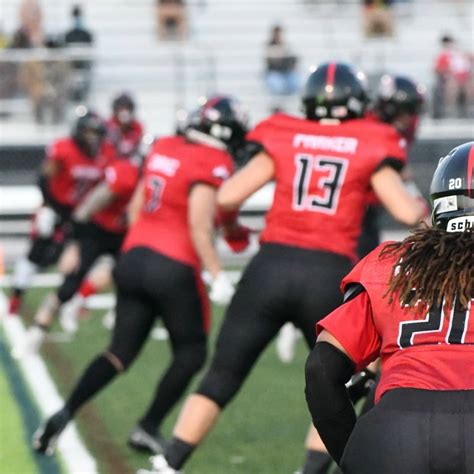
x=238 y=238
x=222 y=289
x=45 y=222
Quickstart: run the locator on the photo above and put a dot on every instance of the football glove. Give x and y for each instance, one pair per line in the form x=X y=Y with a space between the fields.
x=238 y=239
x=222 y=289
x=45 y=222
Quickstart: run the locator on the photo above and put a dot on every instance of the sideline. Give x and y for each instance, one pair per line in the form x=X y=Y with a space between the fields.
x=74 y=455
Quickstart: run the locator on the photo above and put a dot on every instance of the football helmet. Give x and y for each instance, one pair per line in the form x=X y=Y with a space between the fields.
x=88 y=132
x=222 y=118
x=452 y=190
x=123 y=108
x=334 y=91
x=398 y=95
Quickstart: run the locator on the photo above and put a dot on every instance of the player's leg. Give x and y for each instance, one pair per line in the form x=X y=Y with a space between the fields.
x=369 y=238
x=319 y=296
x=252 y=320
x=184 y=308
x=135 y=317
x=98 y=278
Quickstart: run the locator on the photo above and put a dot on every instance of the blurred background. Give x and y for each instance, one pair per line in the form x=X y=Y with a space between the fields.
x=58 y=54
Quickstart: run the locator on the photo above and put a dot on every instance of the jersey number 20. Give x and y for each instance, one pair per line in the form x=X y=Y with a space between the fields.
x=331 y=171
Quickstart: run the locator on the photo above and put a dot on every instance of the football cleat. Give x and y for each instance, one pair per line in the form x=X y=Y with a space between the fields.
x=69 y=315
x=143 y=441
x=46 y=436
x=31 y=344
x=159 y=466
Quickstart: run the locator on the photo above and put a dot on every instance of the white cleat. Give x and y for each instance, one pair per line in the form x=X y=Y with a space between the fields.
x=69 y=314
x=159 y=465
x=286 y=342
x=34 y=338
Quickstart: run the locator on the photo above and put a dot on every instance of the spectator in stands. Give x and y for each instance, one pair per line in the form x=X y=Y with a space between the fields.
x=31 y=21
x=378 y=18
x=79 y=36
x=280 y=76
x=171 y=19
x=452 y=79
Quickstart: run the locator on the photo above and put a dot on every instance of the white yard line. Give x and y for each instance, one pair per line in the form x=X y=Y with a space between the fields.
x=75 y=457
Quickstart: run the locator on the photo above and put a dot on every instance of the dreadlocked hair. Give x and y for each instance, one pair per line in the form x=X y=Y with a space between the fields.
x=432 y=265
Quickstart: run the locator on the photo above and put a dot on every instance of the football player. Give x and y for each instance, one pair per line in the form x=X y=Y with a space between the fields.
x=73 y=166
x=322 y=167
x=175 y=201
x=99 y=225
x=124 y=131
x=410 y=303
x=399 y=102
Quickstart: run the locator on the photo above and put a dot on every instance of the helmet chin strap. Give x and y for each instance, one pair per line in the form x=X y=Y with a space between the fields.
x=204 y=139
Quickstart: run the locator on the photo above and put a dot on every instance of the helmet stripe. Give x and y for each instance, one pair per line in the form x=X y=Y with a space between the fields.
x=470 y=171
x=331 y=74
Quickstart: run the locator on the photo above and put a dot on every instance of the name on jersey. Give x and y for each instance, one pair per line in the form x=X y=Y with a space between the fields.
x=320 y=142
x=163 y=164
x=86 y=172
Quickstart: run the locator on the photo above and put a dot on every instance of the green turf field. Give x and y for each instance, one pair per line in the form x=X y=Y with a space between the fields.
x=261 y=432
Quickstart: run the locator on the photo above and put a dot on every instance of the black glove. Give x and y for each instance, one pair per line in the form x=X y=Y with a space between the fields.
x=360 y=384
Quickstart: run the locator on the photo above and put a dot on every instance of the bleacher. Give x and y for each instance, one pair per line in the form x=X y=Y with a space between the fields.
x=225 y=49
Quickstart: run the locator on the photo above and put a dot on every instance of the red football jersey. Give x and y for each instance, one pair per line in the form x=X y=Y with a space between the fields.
x=121 y=177
x=124 y=143
x=322 y=175
x=172 y=167
x=78 y=173
x=426 y=350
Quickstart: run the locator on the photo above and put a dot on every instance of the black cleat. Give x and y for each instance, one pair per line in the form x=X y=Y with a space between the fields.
x=142 y=440
x=46 y=436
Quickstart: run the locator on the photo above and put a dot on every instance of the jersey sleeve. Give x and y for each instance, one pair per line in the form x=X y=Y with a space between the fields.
x=352 y=324
x=121 y=177
x=394 y=150
x=56 y=152
x=259 y=134
x=213 y=170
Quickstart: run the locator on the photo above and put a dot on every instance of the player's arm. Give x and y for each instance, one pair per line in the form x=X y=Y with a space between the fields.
x=348 y=341
x=94 y=202
x=201 y=210
x=392 y=193
x=249 y=179
x=136 y=203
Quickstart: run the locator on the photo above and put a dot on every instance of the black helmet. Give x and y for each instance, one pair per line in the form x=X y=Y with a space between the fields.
x=222 y=118
x=88 y=142
x=123 y=101
x=397 y=95
x=334 y=90
x=452 y=190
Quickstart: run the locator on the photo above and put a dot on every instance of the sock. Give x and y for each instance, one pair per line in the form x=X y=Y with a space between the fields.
x=177 y=452
x=99 y=373
x=18 y=292
x=87 y=289
x=316 y=462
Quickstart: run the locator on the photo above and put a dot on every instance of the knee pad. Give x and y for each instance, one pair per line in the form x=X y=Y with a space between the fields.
x=220 y=385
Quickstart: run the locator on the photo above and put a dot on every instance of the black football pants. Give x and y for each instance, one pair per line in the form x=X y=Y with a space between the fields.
x=280 y=284
x=414 y=431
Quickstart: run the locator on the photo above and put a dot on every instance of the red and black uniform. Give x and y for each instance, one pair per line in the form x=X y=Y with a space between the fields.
x=370 y=235
x=322 y=176
x=124 y=141
x=158 y=273
x=427 y=379
x=77 y=174
x=105 y=232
